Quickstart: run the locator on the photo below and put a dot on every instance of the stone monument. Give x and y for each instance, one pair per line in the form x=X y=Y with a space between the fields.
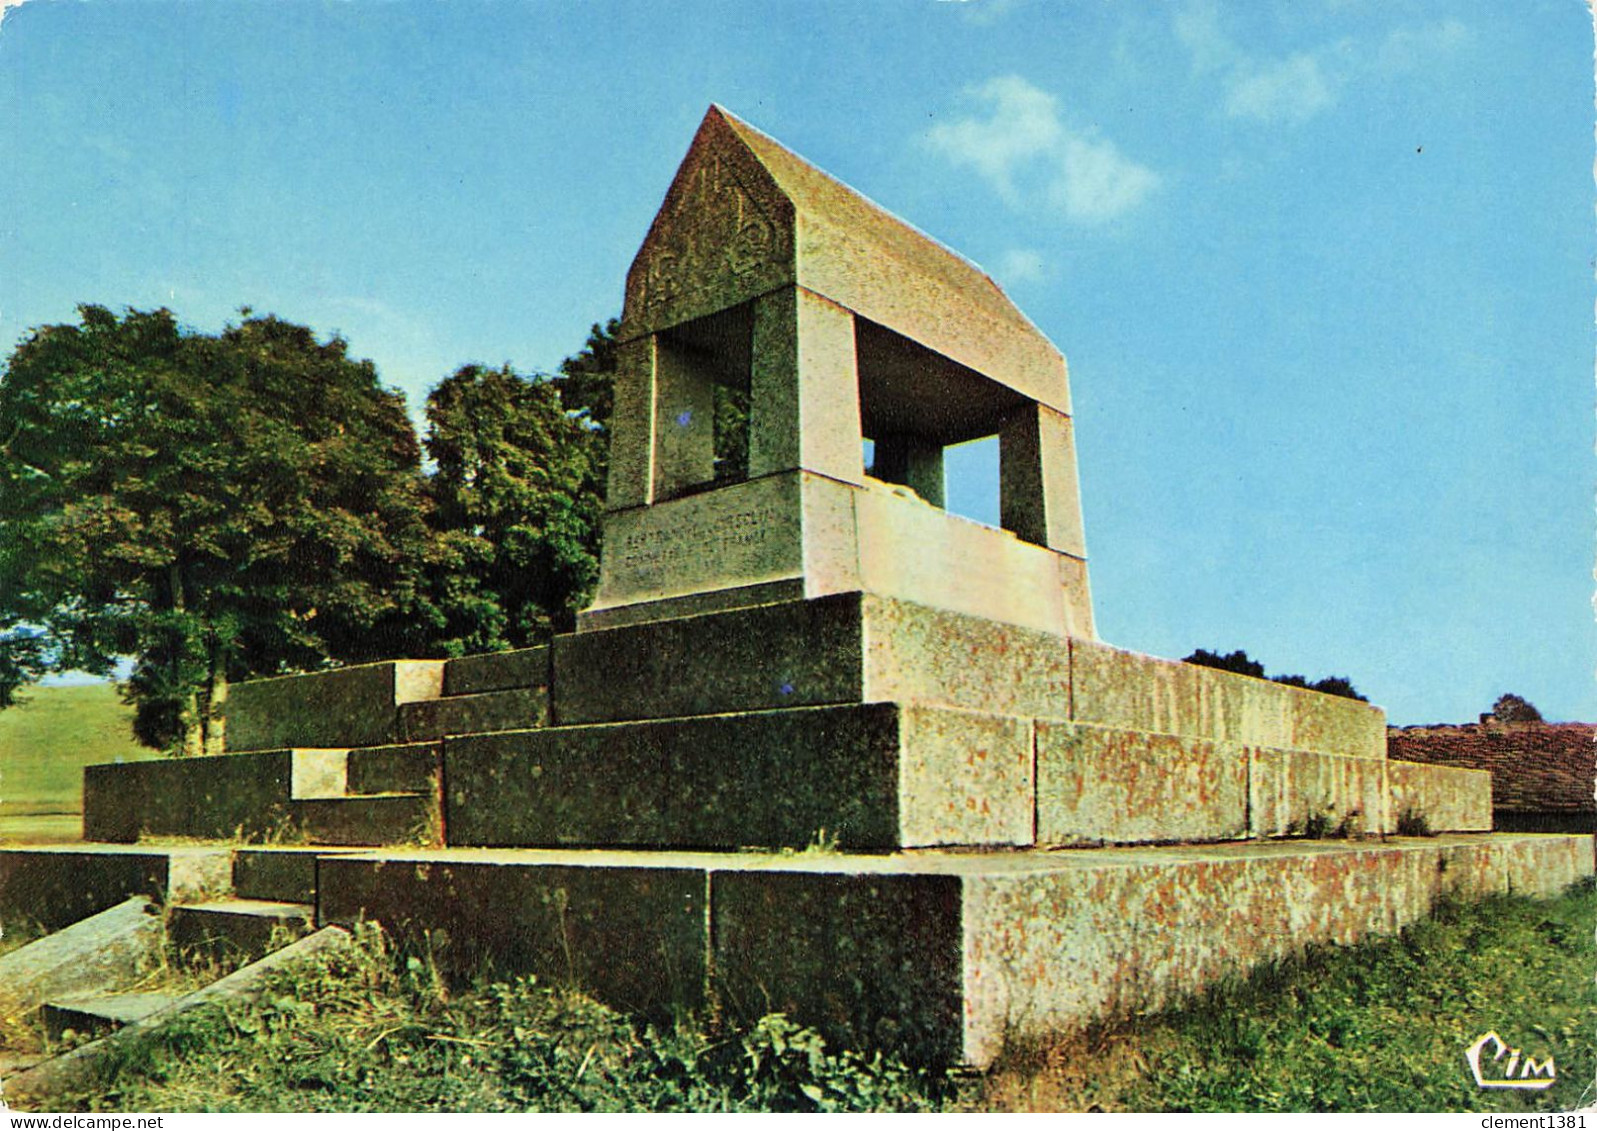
x=1011 y=826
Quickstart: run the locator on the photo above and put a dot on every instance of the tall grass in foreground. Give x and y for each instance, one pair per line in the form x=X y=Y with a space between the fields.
x=1382 y=1026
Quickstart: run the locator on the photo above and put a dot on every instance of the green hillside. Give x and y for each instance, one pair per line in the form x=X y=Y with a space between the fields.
x=47 y=740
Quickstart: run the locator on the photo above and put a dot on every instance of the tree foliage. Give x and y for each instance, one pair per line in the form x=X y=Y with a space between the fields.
x=213 y=506
x=1241 y=663
x=1512 y=708
x=517 y=498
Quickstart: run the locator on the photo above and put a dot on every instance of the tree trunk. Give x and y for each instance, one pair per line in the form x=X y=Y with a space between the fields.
x=193 y=741
x=216 y=706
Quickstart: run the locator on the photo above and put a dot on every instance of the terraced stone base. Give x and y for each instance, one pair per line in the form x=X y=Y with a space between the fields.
x=943 y=955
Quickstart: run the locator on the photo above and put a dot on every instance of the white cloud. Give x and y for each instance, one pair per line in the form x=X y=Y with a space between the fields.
x=1027 y=152
x=1290 y=90
x=1024 y=125
x=1413 y=48
x=1294 y=88
x=1098 y=182
x=1022 y=265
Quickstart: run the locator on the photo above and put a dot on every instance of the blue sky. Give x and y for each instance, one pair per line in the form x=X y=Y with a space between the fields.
x=1322 y=269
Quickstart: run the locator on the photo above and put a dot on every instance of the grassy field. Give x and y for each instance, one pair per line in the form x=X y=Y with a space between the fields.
x=1379 y=1027
x=47 y=740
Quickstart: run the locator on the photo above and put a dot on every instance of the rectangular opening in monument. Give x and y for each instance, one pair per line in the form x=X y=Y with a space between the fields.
x=703 y=410
x=971 y=473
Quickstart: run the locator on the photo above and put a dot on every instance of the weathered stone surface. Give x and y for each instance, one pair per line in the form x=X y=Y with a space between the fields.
x=918 y=654
x=864 y=776
x=944 y=955
x=739 y=535
x=228 y=796
x=474 y=714
x=228 y=929
x=634 y=936
x=911 y=550
x=965 y=778
x=776 y=778
x=278 y=873
x=1124 y=689
x=354 y=706
x=245 y=797
x=850 y=647
x=1102 y=784
x=1306 y=793
x=58 y=886
x=98 y=1014
x=1439 y=798
x=798 y=653
x=318 y=773
x=871 y=959
x=497 y=671
x=405 y=768
x=1094 y=936
x=393 y=818
x=94 y=955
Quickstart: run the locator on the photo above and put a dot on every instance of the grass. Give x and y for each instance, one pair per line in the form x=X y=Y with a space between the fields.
x=1377 y=1027
x=47 y=740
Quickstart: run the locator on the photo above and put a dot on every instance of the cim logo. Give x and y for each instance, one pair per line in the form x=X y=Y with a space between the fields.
x=1527 y=1073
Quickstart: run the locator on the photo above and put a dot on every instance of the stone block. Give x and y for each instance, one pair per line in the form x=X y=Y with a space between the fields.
x=871 y=959
x=1113 y=687
x=918 y=654
x=1304 y=793
x=634 y=936
x=394 y=818
x=229 y=929
x=1439 y=798
x=739 y=535
x=233 y=795
x=798 y=653
x=911 y=550
x=1105 y=785
x=867 y=776
x=354 y=706
x=94 y=955
x=58 y=886
x=779 y=778
x=964 y=779
x=278 y=873
x=497 y=671
x=405 y=768
x=474 y=714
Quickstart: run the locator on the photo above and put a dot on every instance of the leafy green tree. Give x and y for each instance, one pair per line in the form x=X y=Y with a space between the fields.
x=1513 y=708
x=1237 y=661
x=518 y=496
x=214 y=506
x=1240 y=663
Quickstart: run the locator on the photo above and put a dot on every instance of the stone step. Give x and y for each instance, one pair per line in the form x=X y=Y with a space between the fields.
x=92 y=1066
x=59 y=885
x=228 y=929
x=95 y=1016
x=497 y=671
x=402 y=768
x=373 y=819
x=277 y=873
x=95 y=955
x=482 y=713
x=945 y=955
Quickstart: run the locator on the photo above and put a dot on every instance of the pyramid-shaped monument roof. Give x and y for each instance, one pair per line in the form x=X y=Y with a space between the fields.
x=745 y=216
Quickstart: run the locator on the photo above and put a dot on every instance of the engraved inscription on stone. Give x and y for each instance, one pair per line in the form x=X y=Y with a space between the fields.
x=735 y=536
